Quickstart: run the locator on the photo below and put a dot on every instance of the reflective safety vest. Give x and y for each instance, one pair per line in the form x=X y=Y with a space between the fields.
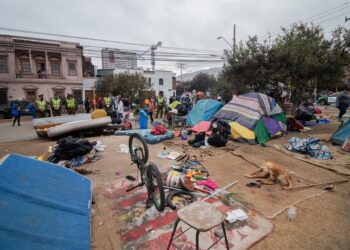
x=41 y=105
x=70 y=103
x=107 y=100
x=56 y=103
x=160 y=100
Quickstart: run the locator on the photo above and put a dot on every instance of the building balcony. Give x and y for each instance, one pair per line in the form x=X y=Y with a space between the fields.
x=39 y=76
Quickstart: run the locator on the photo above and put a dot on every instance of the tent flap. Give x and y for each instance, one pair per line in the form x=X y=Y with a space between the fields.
x=203 y=110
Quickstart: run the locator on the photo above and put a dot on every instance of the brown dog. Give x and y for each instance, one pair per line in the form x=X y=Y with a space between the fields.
x=274 y=173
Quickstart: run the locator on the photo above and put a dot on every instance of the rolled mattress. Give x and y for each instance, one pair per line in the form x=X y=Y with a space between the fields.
x=47 y=121
x=78 y=125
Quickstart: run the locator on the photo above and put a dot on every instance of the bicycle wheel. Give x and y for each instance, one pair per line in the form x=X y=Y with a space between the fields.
x=138 y=148
x=155 y=187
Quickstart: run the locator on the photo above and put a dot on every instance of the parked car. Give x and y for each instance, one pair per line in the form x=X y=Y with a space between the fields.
x=5 y=111
x=327 y=100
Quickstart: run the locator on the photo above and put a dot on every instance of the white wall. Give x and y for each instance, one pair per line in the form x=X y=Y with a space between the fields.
x=167 y=77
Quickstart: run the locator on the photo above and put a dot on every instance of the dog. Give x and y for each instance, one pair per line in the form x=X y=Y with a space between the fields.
x=274 y=173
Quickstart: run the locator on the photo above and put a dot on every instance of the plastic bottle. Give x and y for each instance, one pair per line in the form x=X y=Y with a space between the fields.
x=292 y=213
x=184 y=134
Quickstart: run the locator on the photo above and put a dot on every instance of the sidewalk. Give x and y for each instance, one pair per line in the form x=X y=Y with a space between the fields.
x=22 y=133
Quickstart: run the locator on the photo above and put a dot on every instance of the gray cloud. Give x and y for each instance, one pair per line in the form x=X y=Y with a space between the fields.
x=180 y=23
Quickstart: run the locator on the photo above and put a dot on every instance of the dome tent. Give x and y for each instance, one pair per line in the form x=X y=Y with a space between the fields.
x=203 y=110
x=256 y=112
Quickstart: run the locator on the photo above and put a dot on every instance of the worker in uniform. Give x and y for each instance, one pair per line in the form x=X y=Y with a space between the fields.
x=56 y=105
x=41 y=106
x=160 y=103
x=107 y=100
x=71 y=105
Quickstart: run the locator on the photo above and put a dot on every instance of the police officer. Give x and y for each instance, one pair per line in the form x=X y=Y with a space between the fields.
x=41 y=106
x=71 y=105
x=56 y=105
x=107 y=100
x=160 y=102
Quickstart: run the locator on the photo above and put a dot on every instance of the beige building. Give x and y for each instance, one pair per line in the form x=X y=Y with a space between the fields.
x=32 y=66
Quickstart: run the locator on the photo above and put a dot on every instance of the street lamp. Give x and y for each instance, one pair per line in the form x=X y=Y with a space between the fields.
x=220 y=37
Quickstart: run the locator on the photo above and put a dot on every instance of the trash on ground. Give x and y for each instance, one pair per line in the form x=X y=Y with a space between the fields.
x=124 y=149
x=292 y=213
x=235 y=215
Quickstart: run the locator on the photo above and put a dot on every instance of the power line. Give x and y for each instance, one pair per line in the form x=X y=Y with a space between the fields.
x=97 y=39
x=312 y=18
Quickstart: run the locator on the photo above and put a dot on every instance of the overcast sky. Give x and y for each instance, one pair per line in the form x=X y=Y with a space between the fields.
x=177 y=23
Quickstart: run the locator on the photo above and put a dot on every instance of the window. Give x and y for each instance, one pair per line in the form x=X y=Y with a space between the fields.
x=3 y=65
x=161 y=81
x=111 y=56
x=25 y=67
x=55 y=69
x=31 y=95
x=72 y=69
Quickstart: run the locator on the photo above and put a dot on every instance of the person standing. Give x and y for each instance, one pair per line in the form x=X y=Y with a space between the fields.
x=343 y=102
x=107 y=101
x=71 y=105
x=16 y=113
x=87 y=105
x=56 y=105
x=41 y=106
x=120 y=107
x=150 y=107
x=32 y=109
x=160 y=101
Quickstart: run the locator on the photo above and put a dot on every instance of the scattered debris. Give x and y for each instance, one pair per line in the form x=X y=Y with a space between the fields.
x=292 y=213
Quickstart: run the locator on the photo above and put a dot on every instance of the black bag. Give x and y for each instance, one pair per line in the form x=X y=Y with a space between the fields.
x=217 y=140
x=70 y=147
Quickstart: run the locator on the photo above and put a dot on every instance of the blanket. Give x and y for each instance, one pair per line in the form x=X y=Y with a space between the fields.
x=310 y=146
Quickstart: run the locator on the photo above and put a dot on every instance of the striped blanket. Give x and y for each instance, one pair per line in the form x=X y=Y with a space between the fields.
x=247 y=109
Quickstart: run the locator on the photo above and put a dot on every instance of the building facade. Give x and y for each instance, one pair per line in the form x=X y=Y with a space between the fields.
x=159 y=80
x=32 y=66
x=118 y=59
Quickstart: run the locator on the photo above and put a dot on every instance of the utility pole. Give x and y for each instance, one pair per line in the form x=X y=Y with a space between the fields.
x=234 y=39
x=181 y=66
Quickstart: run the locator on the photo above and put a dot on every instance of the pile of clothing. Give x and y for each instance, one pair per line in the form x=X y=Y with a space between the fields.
x=73 y=152
x=309 y=146
x=158 y=130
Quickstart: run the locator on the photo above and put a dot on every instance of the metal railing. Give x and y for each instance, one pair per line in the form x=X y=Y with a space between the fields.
x=39 y=76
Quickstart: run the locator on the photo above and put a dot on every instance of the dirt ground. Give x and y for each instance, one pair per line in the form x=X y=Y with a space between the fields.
x=322 y=222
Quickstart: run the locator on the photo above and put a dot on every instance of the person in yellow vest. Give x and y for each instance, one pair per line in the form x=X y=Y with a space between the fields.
x=71 y=105
x=160 y=103
x=41 y=106
x=107 y=101
x=56 y=105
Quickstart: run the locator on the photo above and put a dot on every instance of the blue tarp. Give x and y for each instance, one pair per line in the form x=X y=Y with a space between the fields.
x=43 y=206
x=202 y=111
x=340 y=135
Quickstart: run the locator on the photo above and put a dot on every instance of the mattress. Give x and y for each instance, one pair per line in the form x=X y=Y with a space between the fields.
x=49 y=121
x=78 y=125
x=43 y=206
x=146 y=133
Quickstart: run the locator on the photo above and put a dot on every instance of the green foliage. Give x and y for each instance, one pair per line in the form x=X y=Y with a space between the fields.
x=127 y=85
x=300 y=59
x=201 y=82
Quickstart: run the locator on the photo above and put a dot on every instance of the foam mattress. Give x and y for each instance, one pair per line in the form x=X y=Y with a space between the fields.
x=78 y=125
x=146 y=133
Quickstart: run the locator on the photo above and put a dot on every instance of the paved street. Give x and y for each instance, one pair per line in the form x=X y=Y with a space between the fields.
x=22 y=133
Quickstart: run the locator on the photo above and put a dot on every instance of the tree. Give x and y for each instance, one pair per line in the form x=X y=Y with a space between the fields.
x=183 y=87
x=300 y=59
x=203 y=82
x=128 y=85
